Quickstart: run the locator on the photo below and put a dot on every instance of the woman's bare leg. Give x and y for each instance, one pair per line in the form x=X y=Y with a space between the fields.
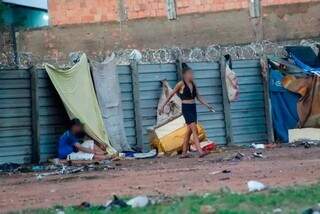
x=195 y=135
x=186 y=141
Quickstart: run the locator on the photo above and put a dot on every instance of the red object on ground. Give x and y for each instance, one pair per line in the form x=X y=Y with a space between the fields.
x=207 y=146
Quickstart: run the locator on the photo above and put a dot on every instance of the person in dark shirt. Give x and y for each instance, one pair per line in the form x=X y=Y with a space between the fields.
x=70 y=148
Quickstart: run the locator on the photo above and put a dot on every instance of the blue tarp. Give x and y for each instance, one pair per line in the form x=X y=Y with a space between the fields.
x=284 y=106
x=305 y=58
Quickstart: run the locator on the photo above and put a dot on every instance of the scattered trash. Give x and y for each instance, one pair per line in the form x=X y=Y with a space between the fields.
x=255 y=186
x=214 y=172
x=224 y=179
x=206 y=146
x=38 y=168
x=206 y=195
x=9 y=167
x=271 y=145
x=39 y=177
x=277 y=210
x=313 y=210
x=257 y=155
x=160 y=199
x=225 y=189
x=58 y=211
x=85 y=204
x=258 y=146
x=239 y=156
x=139 y=201
x=207 y=209
x=115 y=203
x=307 y=145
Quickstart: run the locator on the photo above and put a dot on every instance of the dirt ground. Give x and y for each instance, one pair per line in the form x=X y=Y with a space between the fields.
x=169 y=176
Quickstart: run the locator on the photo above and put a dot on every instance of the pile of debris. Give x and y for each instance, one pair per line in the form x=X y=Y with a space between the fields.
x=56 y=167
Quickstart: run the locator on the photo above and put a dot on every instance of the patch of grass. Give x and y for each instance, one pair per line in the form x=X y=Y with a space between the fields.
x=290 y=200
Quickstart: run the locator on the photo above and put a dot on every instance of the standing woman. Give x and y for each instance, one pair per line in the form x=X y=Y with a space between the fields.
x=187 y=91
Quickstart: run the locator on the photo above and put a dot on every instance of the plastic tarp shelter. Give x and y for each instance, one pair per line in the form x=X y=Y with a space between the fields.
x=284 y=106
x=305 y=58
x=76 y=90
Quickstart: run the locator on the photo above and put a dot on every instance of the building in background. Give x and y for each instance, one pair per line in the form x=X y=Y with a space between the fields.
x=22 y=13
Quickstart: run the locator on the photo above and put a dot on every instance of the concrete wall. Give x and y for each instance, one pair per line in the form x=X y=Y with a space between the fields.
x=196 y=37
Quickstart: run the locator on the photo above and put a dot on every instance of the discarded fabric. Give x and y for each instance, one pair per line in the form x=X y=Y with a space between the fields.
x=172 y=109
x=138 y=155
x=232 y=82
x=309 y=102
x=107 y=87
x=206 y=146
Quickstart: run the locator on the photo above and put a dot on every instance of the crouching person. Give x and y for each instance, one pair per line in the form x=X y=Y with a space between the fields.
x=70 y=148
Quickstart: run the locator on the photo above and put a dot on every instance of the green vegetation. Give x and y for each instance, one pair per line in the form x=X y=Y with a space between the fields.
x=289 y=200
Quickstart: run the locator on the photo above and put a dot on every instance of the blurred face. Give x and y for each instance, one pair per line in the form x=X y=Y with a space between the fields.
x=77 y=129
x=188 y=75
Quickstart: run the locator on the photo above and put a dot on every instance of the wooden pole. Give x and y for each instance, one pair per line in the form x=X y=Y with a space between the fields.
x=179 y=68
x=35 y=116
x=226 y=103
x=266 y=94
x=136 y=103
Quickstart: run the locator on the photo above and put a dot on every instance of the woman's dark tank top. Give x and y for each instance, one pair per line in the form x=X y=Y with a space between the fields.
x=187 y=94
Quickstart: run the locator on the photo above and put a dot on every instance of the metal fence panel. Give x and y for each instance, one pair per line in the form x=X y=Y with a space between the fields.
x=125 y=81
x=248 y=113
x=15 y=116
x=52 y=117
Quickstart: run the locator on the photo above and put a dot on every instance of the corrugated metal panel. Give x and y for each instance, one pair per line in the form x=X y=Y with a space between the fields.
x=248 y=113
x=127 y=102
x=52 y=117
x=150 y=91
x=207 y=78
x=15 y=116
